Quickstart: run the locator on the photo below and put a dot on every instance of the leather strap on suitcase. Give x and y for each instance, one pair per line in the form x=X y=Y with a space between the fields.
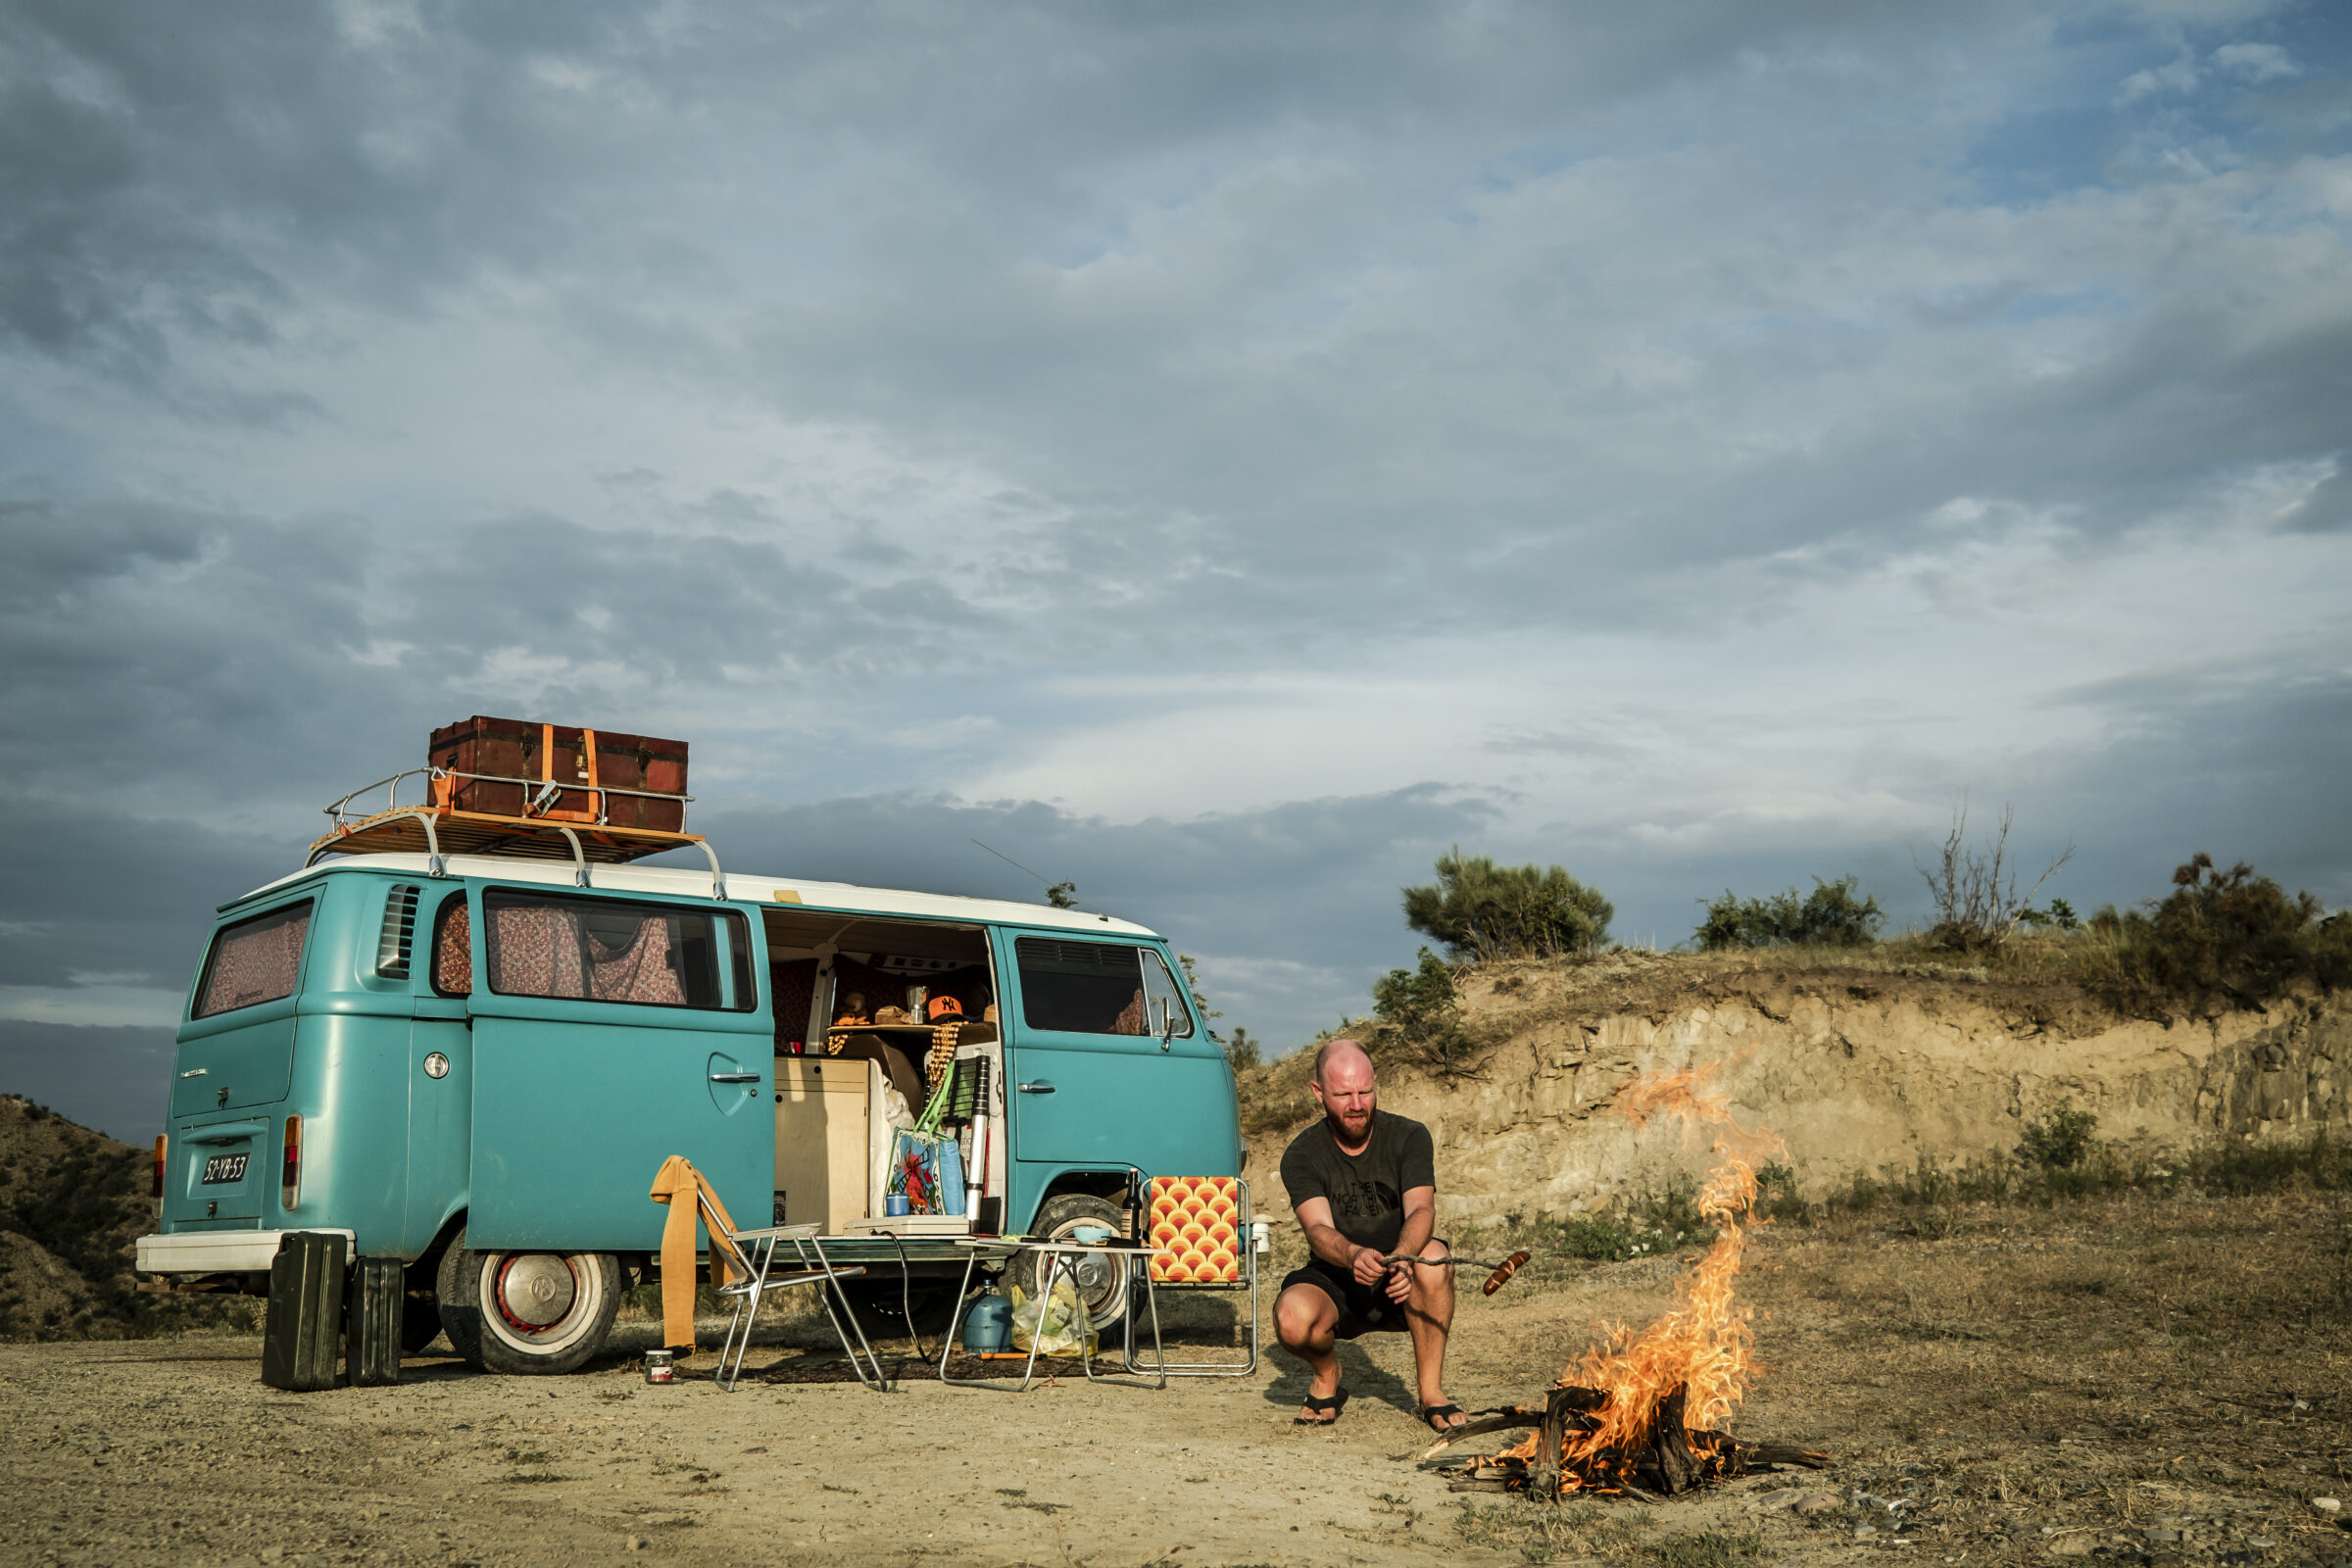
x=305 y=1326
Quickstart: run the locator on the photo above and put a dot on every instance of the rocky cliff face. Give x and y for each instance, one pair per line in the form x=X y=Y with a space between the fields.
x=1856 y=1071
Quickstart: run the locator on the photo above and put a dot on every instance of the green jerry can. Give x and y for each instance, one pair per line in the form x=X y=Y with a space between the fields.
x=305 y=1327
x=379 y=1292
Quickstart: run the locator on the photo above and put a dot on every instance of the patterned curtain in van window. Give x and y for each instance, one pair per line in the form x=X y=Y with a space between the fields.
x=637 y=970
x=260 y=960
x=453 y=950
x=535 y=951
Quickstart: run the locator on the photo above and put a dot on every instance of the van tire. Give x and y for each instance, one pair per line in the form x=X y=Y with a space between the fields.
x=1108 y=1306
x=487 y=1306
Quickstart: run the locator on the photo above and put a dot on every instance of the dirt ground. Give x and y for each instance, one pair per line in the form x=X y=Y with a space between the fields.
x=2160 y=1382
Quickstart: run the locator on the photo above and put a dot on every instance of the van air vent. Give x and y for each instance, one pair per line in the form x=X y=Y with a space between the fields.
x=400 y=931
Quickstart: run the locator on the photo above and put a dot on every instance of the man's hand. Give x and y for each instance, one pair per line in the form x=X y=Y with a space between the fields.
x=1401 y=1281
x=1368 y=1268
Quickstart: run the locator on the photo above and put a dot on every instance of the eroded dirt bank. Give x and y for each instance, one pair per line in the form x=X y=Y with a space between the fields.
x=1856 y=1071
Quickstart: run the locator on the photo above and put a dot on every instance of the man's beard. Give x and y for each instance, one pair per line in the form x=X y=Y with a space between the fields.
x=1353 y=1125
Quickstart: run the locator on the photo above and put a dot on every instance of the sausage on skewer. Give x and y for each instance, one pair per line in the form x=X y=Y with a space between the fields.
x=1494 y=1281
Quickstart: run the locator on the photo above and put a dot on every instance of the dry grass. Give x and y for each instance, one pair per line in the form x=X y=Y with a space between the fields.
x=2157 y=1378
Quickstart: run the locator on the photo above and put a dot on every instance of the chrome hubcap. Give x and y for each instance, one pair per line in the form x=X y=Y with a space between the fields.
x=535 y=1290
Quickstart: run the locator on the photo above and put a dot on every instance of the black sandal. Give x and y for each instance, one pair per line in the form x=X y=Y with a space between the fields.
x=1438 y=1416
x=1327 y=1409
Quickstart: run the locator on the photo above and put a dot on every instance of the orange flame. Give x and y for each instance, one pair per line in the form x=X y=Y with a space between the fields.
x=1702 y=1343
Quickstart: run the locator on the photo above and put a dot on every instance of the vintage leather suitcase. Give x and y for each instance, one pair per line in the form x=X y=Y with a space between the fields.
x=539 y=755
x=305 y=1326
x=478 y=745
x=378 y=1297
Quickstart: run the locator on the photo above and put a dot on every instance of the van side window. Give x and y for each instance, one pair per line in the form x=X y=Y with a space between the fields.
x=597 y=949
x=452 y=948
x=255 y=961
x=1160 y=986
x=1086 y=988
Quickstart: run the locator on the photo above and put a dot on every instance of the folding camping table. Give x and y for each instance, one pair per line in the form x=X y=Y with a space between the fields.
x=1061 y=1258
x=825 y=1260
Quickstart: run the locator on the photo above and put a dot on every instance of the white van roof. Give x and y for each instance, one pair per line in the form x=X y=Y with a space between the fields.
x=688 y=882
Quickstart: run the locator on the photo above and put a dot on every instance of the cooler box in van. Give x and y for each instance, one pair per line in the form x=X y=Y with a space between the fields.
x=534 y=756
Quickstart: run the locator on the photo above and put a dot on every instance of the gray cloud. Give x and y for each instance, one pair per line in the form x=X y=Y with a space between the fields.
x=1704 y=437
x=116 y=1079
x=1307 y=889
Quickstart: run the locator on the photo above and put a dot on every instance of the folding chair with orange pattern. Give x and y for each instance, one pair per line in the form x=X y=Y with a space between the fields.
x=1200 y=1231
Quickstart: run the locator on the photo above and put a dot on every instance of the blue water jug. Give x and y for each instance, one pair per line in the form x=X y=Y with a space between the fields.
x=950 y=1180
x=988 y=1326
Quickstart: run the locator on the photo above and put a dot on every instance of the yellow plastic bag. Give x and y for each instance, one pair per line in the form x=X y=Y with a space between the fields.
x=1066 y=1331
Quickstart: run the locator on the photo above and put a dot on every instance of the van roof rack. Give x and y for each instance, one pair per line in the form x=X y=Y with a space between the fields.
x=438 y=830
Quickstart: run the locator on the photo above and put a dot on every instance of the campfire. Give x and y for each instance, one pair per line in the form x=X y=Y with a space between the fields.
x=1645 y=1415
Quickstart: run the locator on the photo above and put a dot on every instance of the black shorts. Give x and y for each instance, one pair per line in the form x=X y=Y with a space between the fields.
x=1363 y=1308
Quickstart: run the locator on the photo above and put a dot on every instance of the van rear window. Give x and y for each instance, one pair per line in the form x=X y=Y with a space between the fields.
x=254 y=962
x=598 y=950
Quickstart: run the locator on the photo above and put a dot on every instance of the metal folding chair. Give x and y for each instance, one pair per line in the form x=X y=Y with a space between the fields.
x=752 y=1255
x=1199 y=1228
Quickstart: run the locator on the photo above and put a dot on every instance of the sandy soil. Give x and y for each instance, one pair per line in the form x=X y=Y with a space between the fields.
x=2154 y=1381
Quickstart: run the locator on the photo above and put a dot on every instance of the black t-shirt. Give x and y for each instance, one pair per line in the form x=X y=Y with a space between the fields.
x=1366 y=1191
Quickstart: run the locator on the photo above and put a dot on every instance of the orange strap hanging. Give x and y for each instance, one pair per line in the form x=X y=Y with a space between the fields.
x=678 y=1179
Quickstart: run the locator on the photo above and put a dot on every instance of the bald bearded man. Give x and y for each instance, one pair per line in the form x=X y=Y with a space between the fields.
x=1363 y=1183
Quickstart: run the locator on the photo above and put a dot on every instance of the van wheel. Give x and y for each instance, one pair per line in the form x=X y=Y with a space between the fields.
x=1103 y=1286
x=527 y=1313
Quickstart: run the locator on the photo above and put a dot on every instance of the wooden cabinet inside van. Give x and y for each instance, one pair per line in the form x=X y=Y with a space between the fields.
x=826 y=1128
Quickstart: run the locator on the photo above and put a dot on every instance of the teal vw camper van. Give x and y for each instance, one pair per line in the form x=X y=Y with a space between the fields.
x=478 y=1061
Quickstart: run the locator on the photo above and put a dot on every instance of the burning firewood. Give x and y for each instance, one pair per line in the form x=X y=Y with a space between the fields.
x=1644 y=1416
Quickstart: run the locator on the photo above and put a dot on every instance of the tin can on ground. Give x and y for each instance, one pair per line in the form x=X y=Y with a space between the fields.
x=657 y=1368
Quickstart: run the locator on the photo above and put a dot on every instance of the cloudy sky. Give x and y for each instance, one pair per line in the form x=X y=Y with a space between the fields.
x=1223 y=454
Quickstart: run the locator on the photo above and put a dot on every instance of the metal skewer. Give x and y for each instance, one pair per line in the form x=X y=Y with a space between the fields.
x=1494 y=1281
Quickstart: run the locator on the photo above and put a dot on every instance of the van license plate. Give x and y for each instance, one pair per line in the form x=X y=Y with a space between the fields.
x=223 y=1168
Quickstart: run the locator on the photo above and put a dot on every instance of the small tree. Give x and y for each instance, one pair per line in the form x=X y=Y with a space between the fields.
x=1829 y=917
x=1480 y=911
x=1424 y=1007
x=1240 y=1051
x=1975 y=891
x=1062 y=894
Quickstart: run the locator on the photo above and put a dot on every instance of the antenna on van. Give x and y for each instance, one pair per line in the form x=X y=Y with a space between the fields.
x=1060 y=895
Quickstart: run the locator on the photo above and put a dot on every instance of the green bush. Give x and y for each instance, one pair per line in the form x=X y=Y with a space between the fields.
x=1829 y=917
x=2220 y=935
x=1482 y=910
x=1423 y=1008
x=2061 y=1142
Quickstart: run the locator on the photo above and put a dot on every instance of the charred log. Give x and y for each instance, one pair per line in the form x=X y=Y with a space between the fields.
x=1670 y=1459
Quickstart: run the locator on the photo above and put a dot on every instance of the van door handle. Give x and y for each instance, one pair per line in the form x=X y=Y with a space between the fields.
x=1041 y=1087
x=734 y=1077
